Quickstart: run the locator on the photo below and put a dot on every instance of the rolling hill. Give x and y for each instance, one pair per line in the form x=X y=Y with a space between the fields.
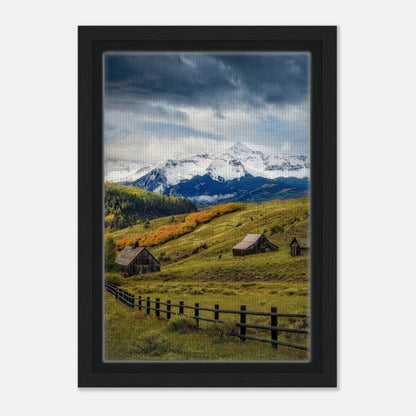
x=205 y=253
x=125 y=206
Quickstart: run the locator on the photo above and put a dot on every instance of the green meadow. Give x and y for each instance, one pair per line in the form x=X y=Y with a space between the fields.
x=198 y=267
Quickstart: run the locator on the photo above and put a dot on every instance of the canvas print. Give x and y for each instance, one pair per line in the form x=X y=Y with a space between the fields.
x=206 y=206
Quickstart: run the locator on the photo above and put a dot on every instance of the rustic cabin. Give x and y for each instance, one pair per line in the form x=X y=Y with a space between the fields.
x=299 y=246
x=136 y=260
x=253 y=244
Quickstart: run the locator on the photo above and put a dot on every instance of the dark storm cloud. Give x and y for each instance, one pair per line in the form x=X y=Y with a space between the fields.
x=155 y=83
x=281 y=79
x=187 y=103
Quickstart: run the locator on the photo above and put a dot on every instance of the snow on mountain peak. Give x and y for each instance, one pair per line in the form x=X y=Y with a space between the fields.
x=239 y=149
x=238 y=146
x=236 y=162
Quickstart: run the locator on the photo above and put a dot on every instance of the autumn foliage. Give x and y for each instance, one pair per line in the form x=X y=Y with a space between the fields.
x=169 y=232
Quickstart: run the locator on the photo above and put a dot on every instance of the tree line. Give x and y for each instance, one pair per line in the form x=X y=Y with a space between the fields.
x=126 y=205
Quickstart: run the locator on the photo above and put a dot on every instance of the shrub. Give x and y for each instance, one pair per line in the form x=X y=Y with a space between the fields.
x=110 y=264
x=199 y=247
x=138 y=314
x=196 y=291
x=152 y=343
x=114 y=278
x=276 y=228
x=222 y=331
x=183 y=325
x=163 y=257
x=294 y=337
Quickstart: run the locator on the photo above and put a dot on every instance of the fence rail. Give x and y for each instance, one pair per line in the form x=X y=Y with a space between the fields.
x=148 y=305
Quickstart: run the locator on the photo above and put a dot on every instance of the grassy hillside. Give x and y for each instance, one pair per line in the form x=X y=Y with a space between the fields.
x=199 y=267
x=176 y=229
x=205 y=253
x=127 y=205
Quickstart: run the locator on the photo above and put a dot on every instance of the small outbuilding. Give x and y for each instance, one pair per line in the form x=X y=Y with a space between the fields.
x=136 y=260
x=253 y=244
x=299 y=246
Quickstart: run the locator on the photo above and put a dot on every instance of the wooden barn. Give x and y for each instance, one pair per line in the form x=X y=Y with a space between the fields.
x=253 y=244
x=136 y=260
x=299 y=246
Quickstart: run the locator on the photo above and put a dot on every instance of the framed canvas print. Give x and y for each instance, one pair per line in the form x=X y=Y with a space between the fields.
x=207 y=206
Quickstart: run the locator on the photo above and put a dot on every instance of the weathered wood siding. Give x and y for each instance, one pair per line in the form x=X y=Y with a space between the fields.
x=297 y=250
x=144 y=263
x=294 y=249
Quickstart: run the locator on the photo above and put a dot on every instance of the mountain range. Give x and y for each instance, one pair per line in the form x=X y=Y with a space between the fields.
x=238 y=174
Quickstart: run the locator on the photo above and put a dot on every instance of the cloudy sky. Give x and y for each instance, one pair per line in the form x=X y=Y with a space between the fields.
x=158 y=105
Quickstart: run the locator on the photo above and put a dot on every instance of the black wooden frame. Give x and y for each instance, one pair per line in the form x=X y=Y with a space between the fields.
x=321 y=370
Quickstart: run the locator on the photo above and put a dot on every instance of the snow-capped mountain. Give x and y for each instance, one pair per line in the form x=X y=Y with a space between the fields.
x=239 y=160
x=224 y=176
x=119 y=171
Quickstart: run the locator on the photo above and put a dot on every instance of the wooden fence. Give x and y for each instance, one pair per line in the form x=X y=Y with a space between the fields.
x=165 y=310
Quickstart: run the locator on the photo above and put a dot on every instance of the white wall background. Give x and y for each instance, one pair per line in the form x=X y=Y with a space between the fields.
x=38 y=161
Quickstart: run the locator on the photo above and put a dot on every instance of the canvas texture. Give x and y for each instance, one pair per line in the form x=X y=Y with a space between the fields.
x=207 y=206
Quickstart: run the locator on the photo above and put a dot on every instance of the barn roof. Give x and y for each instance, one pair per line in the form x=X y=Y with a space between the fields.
x=128 y=254
x=247 y=242
x=303 y=242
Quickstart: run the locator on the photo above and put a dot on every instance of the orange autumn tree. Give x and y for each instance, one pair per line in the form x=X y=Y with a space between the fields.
x=169 y=232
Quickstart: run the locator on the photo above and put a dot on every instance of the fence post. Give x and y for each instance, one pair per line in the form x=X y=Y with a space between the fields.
x=242 y=321
x=273 y=322
x=117 y=293
x=140 y=303
x=197 y=314
x=157 y=307
x=216 y=313
x=132 y=301
x=148 y=306
x=168 y=310
x=181 y=307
